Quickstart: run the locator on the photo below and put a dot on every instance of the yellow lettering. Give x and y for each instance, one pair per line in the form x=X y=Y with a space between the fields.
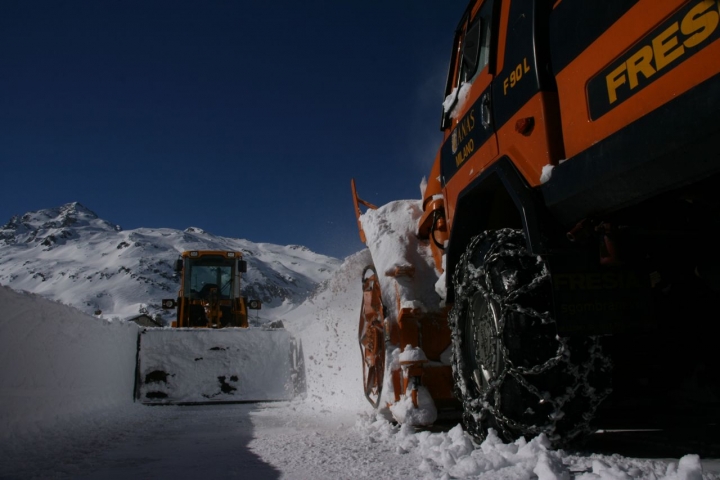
x=465 y=153
x=664 y=47
x=516 y=75
x=699 y=23
x=614 y=80
x=459 y=159
x=640 y=63
x=471 y=119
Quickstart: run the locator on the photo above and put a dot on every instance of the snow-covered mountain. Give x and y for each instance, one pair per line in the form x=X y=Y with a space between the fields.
x=71 y=255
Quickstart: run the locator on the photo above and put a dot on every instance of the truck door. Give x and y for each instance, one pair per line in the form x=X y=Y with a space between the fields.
x=469 y=143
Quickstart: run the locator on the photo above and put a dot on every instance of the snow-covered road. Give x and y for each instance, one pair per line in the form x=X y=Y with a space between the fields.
x=249 y=441
x=66 y=411
x=299 y=441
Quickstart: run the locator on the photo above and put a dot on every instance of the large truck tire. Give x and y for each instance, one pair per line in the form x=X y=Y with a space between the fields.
x=512 y=371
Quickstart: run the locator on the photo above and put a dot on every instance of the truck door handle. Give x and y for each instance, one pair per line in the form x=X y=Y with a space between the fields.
x=485 y=111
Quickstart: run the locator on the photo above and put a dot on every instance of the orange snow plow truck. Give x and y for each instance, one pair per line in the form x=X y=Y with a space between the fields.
x=211 y=354
x=570 y=223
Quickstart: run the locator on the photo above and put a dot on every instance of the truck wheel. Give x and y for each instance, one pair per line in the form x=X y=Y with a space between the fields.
x=371 y=336
x=512 y=372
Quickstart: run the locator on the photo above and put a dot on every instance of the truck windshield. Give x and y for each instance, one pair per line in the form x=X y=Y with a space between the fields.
x=204 y=274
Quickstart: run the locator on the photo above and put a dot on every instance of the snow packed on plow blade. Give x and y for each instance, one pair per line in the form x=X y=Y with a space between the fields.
x=197 y=365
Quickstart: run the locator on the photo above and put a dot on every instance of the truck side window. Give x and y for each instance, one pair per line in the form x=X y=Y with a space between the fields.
x=476 y=44
x=471 y=50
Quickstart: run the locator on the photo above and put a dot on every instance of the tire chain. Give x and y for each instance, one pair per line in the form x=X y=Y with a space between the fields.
x=468 y=275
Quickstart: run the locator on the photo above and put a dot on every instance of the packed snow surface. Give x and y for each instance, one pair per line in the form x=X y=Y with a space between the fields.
x=67 y=410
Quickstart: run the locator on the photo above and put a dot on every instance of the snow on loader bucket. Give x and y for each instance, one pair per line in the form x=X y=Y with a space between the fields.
x=210 y=354
x=187 y=366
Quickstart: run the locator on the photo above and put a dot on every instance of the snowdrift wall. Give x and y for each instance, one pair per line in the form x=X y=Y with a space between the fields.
x=326 y=324
x=57 y=363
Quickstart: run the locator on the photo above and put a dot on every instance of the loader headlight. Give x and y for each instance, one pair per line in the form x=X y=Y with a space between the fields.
x=193 y=254
x=231 y=254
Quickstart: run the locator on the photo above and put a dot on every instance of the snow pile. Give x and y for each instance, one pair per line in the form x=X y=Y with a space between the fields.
x=58 y=364
x=391 y=233
x=327 y=326
x=411 y=354
x=454 y=103
x=453 y=454
x=546 y=173
x=405 y=412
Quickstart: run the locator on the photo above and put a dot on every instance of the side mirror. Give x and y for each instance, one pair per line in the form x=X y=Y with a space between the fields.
x=178 y=265
x=254 y=304
x=242 y=266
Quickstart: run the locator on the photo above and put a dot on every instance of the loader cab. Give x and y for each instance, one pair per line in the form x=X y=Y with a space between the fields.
x=203 y=274
x=210 y=293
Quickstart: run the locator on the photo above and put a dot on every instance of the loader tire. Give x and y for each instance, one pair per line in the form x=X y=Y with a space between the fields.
x=511 y=370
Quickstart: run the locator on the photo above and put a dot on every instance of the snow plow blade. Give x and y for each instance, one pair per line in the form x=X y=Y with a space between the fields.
x=194 y=365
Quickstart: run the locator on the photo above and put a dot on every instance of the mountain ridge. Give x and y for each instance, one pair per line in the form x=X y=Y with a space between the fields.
x=70 y=254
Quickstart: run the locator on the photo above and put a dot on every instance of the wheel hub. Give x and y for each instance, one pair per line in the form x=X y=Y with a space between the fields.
x=487 y=340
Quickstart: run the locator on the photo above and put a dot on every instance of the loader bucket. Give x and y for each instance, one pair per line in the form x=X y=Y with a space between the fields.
x=198 y=365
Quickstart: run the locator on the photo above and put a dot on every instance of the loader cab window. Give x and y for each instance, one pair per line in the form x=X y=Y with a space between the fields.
x=207 y=273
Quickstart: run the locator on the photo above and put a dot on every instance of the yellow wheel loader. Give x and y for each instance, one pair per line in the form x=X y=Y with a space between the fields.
x=210 y=354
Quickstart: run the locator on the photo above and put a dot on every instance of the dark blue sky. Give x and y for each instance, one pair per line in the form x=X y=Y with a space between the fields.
x=246 y=119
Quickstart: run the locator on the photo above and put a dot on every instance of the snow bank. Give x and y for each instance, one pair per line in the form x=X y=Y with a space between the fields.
x=59 y=364
x=453 y=454
x=327 y=326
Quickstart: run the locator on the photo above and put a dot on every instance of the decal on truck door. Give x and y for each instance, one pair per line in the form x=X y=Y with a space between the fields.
x=468 y=136
x=685 y=33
